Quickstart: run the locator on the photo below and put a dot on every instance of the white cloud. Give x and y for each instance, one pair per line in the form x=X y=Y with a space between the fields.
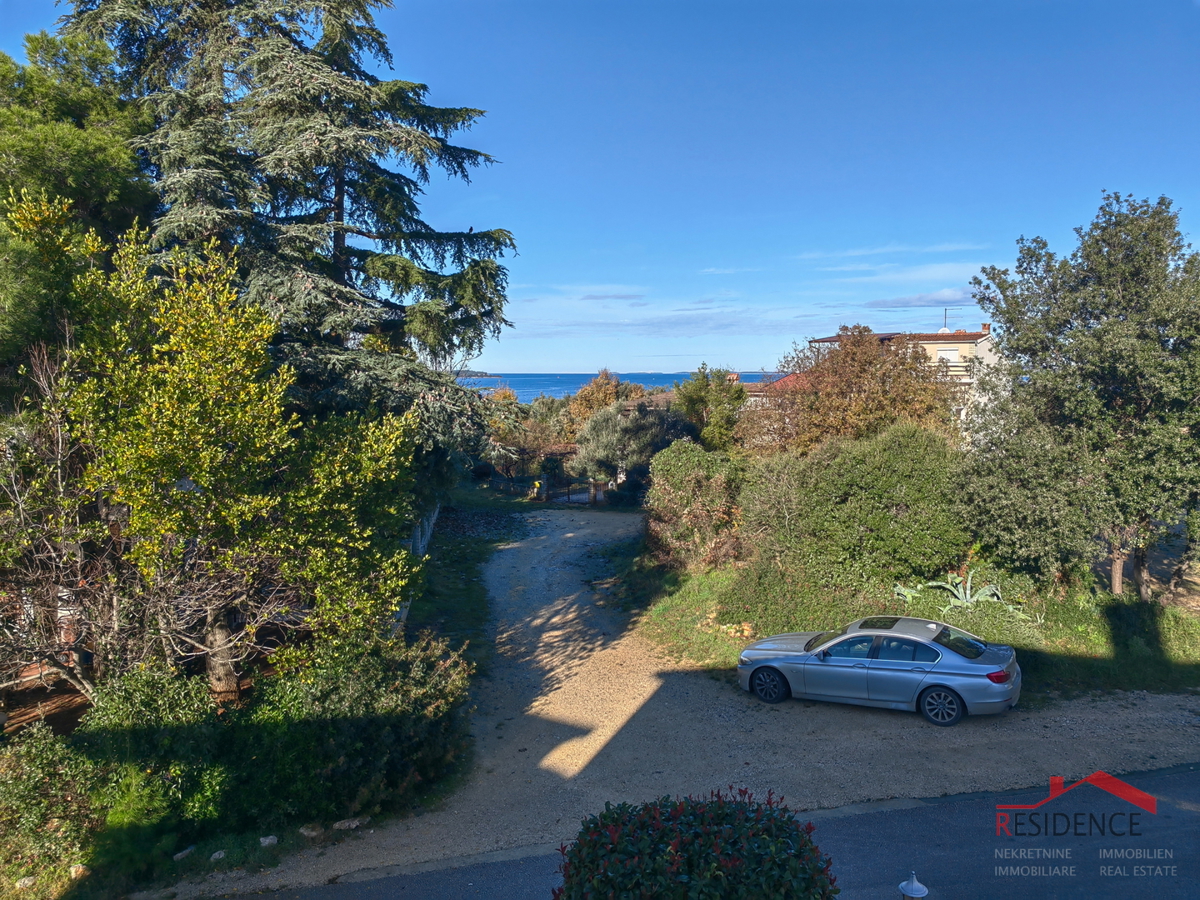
x=857 y=267
x=944 y=297
x=679 y=322
x=889 y=248
x=959 y=273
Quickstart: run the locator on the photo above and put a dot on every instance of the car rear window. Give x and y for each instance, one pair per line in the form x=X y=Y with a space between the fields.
x=960 y=642
x=880 y=622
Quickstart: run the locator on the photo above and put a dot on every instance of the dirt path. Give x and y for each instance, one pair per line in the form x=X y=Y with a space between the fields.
x=579 y=709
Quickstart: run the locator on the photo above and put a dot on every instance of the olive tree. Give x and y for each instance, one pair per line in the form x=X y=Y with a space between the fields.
x=618 y=443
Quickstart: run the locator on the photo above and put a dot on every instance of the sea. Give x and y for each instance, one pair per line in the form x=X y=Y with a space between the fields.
x=528 y=386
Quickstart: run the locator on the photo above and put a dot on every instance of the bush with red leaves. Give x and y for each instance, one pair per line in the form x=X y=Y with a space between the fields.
x=724 y=847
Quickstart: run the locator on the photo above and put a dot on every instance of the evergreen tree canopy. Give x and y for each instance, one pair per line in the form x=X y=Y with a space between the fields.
x=1103 y=347
x=66 y=132
x=273 y=134
x=66 y=168
x=618 y=444
x=711 y=402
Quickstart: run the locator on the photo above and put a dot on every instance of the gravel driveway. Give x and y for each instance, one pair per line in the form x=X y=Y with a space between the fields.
x=578 y=709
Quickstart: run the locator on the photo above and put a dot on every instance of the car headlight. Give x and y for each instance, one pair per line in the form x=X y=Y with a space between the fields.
x=743 y=661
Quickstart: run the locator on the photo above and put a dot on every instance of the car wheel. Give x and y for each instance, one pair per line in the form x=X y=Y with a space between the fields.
x=941 y=706
x=769 y=686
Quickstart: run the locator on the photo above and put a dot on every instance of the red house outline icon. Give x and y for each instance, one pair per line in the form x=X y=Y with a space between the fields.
x=1102 y=780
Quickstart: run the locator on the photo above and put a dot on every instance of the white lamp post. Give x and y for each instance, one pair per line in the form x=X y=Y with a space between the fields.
x=913 y=889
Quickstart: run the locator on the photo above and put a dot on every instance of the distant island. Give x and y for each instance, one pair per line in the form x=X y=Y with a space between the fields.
x=471 y=373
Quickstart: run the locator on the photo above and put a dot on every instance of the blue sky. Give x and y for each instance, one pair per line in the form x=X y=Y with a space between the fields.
x=702 y=181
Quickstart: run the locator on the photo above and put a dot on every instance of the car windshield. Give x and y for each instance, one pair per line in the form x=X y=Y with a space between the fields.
x=825 y=636
x=960 y=642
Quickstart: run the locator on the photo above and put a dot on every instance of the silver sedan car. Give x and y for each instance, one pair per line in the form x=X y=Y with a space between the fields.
x=893 y=662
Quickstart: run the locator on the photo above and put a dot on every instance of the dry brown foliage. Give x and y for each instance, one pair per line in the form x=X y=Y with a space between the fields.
x=850 y=389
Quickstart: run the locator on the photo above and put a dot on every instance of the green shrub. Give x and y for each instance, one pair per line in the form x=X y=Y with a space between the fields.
x=693 y=504
x=157 y=764
x=723 y=847
x=1030 y=497
x=776 y=595
x=47 y=814
x=874 y=511
x=163 y=739
x=618 y=444
x=359 y=729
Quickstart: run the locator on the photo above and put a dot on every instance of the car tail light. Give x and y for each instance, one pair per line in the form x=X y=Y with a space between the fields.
x=998 y=677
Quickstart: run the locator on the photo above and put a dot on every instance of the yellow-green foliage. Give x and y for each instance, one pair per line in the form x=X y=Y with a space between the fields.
x=42 y=250
x=187 y=424
x=171 y=419
x=340 y=525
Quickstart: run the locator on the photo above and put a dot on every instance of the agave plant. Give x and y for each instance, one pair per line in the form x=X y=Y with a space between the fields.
x=959 y=589
x=906 y=594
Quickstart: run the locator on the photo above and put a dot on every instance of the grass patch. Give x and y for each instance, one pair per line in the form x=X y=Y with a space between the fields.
x=684 y=621
x=1069 y=645
x=677 y=610
x=453 y=602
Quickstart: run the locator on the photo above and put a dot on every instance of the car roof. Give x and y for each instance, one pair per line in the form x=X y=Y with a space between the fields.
x=905 y=625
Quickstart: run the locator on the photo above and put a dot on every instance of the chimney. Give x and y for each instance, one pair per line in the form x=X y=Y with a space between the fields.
x=987 y=327
x=1056 y=786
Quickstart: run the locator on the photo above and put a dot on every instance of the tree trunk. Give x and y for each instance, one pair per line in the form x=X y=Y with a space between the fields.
x=222 y=673
x=1117 y=581
x=340 y=263
x=1191 y=552
x=1141 y=574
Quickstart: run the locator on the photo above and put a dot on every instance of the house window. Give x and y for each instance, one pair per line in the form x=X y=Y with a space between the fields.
x=949 y=354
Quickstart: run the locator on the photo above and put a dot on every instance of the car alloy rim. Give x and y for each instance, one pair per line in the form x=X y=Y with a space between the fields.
x=768 y=687
x=941 y=706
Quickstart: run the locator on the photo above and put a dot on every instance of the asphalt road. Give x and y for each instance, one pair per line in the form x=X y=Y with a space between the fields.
x=957 y=845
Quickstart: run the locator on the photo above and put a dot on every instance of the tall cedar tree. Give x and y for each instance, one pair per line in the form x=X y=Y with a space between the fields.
x=1103 y=346
x=856 y=388
x=274 y=136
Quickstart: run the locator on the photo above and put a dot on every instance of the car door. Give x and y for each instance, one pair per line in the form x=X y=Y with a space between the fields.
x=841 y=671
x=898 y=669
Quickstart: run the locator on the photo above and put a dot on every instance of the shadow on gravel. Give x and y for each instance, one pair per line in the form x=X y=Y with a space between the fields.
x=555 y=619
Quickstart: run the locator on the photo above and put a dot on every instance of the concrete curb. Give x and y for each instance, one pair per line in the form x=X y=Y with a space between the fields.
x=456 y=862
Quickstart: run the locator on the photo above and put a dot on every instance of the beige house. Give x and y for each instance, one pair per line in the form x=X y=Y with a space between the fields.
x=958 y=349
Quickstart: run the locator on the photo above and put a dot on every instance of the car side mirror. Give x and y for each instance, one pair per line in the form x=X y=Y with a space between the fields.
x=821 y=654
